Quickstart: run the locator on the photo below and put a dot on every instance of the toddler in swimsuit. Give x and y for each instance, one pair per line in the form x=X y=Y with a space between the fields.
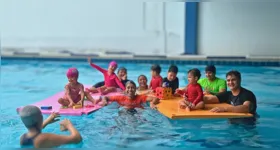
x=74 y=91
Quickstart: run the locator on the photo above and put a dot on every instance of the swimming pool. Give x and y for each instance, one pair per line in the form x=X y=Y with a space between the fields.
x=27 y=81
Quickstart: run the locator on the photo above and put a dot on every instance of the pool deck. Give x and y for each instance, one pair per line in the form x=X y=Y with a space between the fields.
x=126 y=57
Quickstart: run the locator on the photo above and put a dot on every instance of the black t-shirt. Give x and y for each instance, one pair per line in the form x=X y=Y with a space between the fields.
x=173 y=84
x=244 y=95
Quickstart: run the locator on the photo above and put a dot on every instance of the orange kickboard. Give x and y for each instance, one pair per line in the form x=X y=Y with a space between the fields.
x=170 y=108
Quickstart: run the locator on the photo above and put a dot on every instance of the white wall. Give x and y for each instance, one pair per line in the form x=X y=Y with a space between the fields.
x=239 y=28
x=111 y=24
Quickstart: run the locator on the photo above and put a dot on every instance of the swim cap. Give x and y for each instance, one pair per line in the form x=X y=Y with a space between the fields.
x=211 y=68
x=72 y=72
x=113 y=64
x=31 y=116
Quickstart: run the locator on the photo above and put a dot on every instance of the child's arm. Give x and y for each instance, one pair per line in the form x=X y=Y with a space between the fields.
x=51 y=119
x=153 y=101
x=200 y=95
x=67 y=91
x=96 y=67
x=82 y=94
x=106 y=99
x=180 y=92
x=119 y=83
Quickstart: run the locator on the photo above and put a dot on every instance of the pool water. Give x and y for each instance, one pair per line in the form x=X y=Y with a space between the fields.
x=25 y=81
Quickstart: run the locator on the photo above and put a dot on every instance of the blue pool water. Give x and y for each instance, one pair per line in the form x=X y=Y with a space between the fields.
x=24 y=82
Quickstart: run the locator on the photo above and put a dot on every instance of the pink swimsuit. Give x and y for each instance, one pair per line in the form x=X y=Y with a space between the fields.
x=74 y=93
x=110 y=80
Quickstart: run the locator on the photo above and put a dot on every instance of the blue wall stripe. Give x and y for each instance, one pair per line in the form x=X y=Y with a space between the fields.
x=191 y=15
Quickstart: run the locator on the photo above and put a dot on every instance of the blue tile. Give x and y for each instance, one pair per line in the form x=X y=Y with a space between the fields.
x=243 y=63
x=218 y=62
x=237 y=62
x=231 y=63
x=181 y=62
x=272 y=63
x=250 y=63
x=169 y=62
x=256 y=63
x=203 y=62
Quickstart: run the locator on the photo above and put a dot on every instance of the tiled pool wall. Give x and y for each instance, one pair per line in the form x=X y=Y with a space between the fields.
x=122 y=56
x=157 y=60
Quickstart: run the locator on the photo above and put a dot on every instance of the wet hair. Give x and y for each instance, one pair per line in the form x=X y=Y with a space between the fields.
x=211 y=68
x=156 y=68
x=122 y=68
x=142 y=76
x=173 y=68
x=30 y=116
x=235 y=73
x=195 y=72
x=130 y=82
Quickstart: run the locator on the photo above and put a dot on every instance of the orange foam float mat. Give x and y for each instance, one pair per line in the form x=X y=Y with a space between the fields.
x=170 y=108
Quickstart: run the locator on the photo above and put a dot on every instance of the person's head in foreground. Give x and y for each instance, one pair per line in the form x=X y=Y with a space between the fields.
x=31 y=117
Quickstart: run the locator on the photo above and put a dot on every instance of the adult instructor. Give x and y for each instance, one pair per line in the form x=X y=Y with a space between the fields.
x=242 y=100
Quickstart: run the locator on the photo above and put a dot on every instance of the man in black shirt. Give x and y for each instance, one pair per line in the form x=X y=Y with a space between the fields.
x=243 y=100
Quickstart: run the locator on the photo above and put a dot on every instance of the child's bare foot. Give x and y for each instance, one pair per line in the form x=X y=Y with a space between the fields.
x=188 y=109
x=182 y=104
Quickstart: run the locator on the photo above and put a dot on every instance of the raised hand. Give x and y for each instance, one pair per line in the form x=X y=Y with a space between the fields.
x=89 y=60
x=53 y=117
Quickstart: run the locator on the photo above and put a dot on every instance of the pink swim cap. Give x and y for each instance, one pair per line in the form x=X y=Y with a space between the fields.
x=114 y=64
x=72 y=73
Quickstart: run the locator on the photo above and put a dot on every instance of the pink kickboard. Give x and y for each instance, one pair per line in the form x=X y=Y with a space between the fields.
x=56 y=107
